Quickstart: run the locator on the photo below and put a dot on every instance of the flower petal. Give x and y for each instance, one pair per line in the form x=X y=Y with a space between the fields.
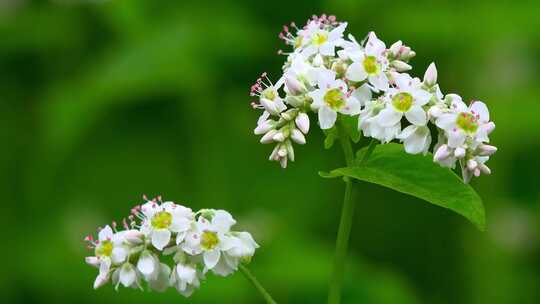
x=388 y=117
x=211 y=258
x=127 y=275
x=479 y=108
x=416 y=115
x=356 y=72
x=327 y=117
x=160 y=238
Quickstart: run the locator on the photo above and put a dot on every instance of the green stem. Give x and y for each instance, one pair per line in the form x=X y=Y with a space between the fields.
x=344 y=231
x=257 y=285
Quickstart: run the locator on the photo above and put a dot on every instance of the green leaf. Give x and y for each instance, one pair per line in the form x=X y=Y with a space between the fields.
x=417 y=175
x=331 y=136
x=350 y=124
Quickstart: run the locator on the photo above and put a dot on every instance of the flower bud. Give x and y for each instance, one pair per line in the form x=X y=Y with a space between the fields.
x=442 y=153
x=271 y=106
x=430 y=77
x=282 y=151
x=290 y=150
x=486 y=150
x=298 y=137
x=471 y=164
x=394 y=48
x=485 y=169
x=264 y=127
x=134 y=237
x=294 y=86
x=92 y=261
x=460 y=152
x=279 y=136
x=274 y=154
x=268 y=137
x=101 y=280
x=289 y=115
x=400 y=66
x=489 y=127
x=302 y=122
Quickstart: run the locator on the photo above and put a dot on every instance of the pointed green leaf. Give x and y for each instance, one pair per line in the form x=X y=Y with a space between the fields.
x=417 y=175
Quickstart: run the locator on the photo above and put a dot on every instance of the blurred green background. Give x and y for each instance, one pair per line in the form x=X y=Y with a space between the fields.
x=103 y=101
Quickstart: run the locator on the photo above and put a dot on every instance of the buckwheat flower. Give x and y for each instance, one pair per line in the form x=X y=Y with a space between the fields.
x=161 y=281
x=149 y=265
x=185 y=278
x=321 y=38
x=406 y=99
x=208 y=236
x=465 y=122
x=162 y=220
x=127 y=276
x=267 y=92
x=416 y=139
x=368 y=122
x=399 y=51
x=370 y=64
x=331 y=98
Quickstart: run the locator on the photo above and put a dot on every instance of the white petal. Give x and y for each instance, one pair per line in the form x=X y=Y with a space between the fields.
x=327 y=49
x=211 y=258
x=127 y=275
x=337 y=32
x=160 y=238
x=456 y=138
x=223 y=221
x=374 y=45
x=388 y=117
x=356 y=72
x=119 y=254
x=416 y=143
x=416 y=115
x=179 y=223
x=446 y=121
x=92 y=261
x=352 y=106
x=379 y=81
x=480 y=108
x=105 y=233
x=146 y=263
x=421 y=97
x=408 y=131
x=362 y=94
x=327 y=117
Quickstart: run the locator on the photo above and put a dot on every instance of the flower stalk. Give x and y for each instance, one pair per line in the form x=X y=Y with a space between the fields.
x=250 y=277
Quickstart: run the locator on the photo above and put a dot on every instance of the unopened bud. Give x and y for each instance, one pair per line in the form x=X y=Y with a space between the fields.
x=268 y=137
x=101 y=280
x=430 y=77
x=485 y=169
x=401 y=66
x=486 y=150
x=294 y=86
x=489 y=127
x=290 y=150
x=472 y=164
x=134 y=237
x=442 y=153
x=290 y=114
x=460 y=152
x=298 y=137
x=279 y=136
x=394 y=48
x=92 y=261
x=264 y=127
x=302 y=122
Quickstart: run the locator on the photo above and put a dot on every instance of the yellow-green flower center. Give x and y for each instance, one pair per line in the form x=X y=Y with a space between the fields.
x=370 y=65
x=162 y=220
x=319 y=38
x=402 y=101
x=269 y=93
x=467 y=122
x=104 y=248
x=334 y=98
x=209 y=240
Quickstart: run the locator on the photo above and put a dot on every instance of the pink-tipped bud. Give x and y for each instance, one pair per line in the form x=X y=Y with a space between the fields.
x=459 y=152
x=302 y=122
x=486 y=150
x=401 y=66
x=472 y=164
x=268 y=137
x=430 y=77
x=294 y=86
x=442 y=153
x=298 y=137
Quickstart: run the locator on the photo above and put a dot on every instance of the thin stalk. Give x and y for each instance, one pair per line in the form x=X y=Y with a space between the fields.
x=257 y=285
x=344 y=231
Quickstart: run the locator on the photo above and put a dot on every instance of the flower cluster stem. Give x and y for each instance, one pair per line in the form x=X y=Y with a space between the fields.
x=344 y=231
x=250 y=277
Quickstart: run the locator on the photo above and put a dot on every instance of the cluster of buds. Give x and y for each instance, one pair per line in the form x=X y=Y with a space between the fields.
x=198 y=242
x=330 y=75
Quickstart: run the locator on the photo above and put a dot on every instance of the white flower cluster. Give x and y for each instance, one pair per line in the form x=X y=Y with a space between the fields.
x=332 y=75
x=198 y=242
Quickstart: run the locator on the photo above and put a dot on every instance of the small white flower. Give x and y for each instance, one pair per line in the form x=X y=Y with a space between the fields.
x=370 y=64
x=161 y=281
x=161 y=220
x=185 y=278
x=331 y=98
x=318 y=39
x=368 y=122
x=416 y=139
x=406 y=99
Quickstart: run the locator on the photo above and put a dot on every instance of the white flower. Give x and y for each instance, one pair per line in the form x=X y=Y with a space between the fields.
x=161 y=281
x=161 y=220
x=416 y=139
x=185 y=278
x=318 y=39
x=126 y=275
x=148 y=264
x=370 y=64
x=465 y=122
x=331 y=98
x=208 y=236
x=268 y=94
x=368 y=122
x=406 y=99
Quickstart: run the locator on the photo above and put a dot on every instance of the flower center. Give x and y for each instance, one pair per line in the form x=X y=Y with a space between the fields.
x=162 y=220
x=320 y=38
x=370 y=65
x=402 y=101
x=334 y=99
x=298 y=42
x=209 y=240
x=269 y=93
x=467 y=122
x=105 y=248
